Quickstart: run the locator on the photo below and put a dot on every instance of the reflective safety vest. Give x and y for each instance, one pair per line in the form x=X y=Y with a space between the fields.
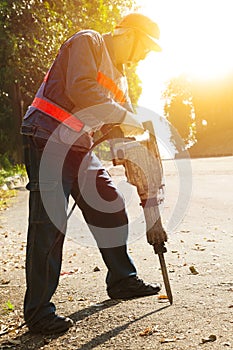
x=110 y=82
x=55 y=111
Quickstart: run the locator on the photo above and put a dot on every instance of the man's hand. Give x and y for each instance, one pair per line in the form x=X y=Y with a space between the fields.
x=156 y=235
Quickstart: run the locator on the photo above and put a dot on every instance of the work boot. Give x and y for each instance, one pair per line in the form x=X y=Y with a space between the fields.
x=51 y=324
x=132 y=287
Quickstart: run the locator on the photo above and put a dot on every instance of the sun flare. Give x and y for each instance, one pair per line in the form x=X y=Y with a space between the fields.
x=195 y=37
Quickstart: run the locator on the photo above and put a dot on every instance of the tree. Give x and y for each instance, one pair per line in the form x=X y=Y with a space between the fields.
x=209 y=129
x=213 y=102
x=179 y=110
x=31 y=32
x=135 y=88
x=27 y=49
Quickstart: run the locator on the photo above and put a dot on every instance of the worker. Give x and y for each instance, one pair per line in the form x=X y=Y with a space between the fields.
x=84 y=91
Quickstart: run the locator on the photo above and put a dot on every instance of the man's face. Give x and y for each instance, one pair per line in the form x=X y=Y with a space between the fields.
x=132 y=47
x=142 y=46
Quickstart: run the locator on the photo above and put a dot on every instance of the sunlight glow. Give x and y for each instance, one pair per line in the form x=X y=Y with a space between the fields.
x=195 y=37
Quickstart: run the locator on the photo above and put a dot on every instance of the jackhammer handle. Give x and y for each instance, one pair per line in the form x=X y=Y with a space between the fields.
x=159 y=248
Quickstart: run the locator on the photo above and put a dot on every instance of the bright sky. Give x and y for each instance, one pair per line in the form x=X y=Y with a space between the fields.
x=196 y=37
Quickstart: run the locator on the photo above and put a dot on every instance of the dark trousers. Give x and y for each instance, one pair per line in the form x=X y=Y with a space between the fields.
x=54 y=174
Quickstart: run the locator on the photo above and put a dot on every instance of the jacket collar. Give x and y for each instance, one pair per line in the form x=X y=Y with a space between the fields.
x=109 y=44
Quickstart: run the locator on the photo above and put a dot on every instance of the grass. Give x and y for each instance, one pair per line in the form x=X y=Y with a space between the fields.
x=6 y=196
x=7 y=307
x=18 y=169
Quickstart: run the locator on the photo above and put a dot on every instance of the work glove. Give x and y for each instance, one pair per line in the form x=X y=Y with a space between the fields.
x=159 y=248
x=156 y=235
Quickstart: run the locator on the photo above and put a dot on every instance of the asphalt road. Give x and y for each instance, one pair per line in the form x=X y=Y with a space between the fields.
x=197 y=211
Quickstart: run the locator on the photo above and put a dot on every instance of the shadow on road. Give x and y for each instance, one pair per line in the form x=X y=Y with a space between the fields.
x=104 y=337
x=30 y=341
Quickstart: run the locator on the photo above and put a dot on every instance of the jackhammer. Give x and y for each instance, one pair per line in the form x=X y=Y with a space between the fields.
x=141 y=159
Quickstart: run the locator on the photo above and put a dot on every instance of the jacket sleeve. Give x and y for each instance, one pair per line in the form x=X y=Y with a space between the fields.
x=85 y=55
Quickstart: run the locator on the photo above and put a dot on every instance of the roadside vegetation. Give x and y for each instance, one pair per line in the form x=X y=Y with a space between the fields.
x=10 y=176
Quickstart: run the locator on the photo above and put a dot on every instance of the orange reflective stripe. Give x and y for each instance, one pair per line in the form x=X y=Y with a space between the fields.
x=57 y=113
x=46 y=76
x=109 y=84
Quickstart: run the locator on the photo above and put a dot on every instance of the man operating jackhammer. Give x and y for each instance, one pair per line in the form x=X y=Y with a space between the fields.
x=84 y=91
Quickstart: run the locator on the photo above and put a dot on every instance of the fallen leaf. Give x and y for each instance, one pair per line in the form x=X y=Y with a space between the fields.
x=193 y=270
x=226 y=344
x=211 y=338
x=162 y=296
x=198 y=248
x=147 y=331
x=67 y=273
x=3 y=281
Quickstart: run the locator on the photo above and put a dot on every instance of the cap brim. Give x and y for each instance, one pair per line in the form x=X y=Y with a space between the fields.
x=152 y=44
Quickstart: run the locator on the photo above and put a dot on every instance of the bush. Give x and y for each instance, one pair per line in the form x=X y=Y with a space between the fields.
x=8 y=169
x=5 y=162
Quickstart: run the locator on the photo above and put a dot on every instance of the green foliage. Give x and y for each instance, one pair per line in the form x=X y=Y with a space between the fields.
x=7 y=307
x=7 y=169
x=134 y=82
x=101 y=15
x=5 y=162
x=202 y=112
x=178 y=108
x=31 y=32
